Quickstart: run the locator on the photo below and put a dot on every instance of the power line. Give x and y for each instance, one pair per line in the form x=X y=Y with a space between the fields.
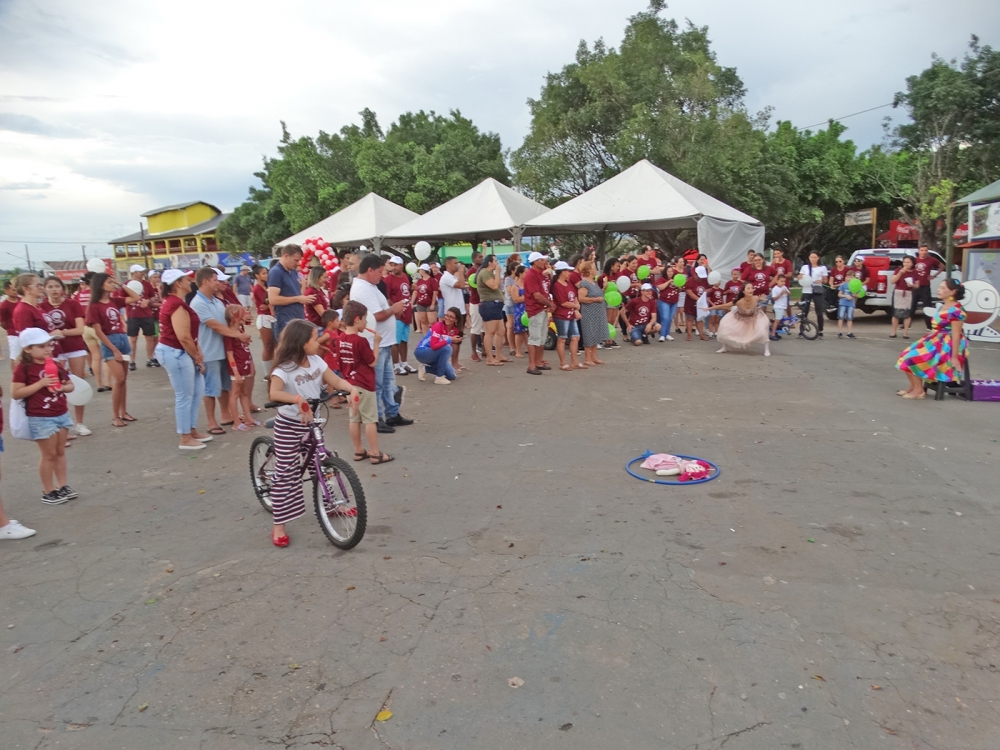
x=872 y=109
x=58 y=242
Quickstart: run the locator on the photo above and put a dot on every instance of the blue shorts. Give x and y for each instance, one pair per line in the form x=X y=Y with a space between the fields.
x=716 y=313
x=46 y=427
x=567 y=329
x=217 y=378
x=845 y=312
x=1 y=443
x=638 y=332
x=402 y=332
x=120 y=340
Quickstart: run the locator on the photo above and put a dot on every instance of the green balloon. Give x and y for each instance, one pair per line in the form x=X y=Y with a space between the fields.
x=680 y=280
x=612 y=331
x=855 y=285
x=642 y=272
x=861 y=294
x=472 y=282
x=525 y=319
x=613 y=297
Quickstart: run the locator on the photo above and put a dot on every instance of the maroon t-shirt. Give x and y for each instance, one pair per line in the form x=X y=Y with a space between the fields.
x=43 y=402
x=167 y=335
x=715 y=296
x=759 y=278
x=356 y=360
x=28 y=316
x=106 y=315
x=575 y=278
x=697 y=285
x=62 y=317
x=861 y=273
x=923 y=268
x=906 y=282
x=398 y=289
x=473 y=293
x=745 y=266
x=634 y=291
x=784 y=266
x=321 y=299
x=670 y=293
x=639 y=311
x=135 y=311
x=534 y=282
x=563 y=293
x=241 y=355
x=259 y=295
x=425 y=291
x=732 y=289
x=7 y=315
x=837 y=276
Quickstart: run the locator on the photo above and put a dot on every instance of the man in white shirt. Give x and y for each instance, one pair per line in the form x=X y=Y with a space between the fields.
x=364 y=289
x=451 y=285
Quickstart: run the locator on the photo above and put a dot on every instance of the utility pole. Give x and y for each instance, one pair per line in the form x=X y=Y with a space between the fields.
x=84 y=249
x=27 y=257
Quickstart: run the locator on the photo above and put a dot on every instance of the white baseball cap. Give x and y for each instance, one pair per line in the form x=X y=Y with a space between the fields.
x=562 y=265
x=424 y=267
x=701 y=272
x=396 y=259
x=136 y=268
x=220 y=275
x=172 y=274
x=534 y=257
x=646 y=287
x=33 y=337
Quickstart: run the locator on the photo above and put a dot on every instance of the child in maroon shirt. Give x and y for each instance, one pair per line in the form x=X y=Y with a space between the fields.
x=241 y=369
x=357 y=358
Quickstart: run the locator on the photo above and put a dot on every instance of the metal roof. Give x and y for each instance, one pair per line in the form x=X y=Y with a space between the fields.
x=177 y=207
x=206 y=227
x=989 y=193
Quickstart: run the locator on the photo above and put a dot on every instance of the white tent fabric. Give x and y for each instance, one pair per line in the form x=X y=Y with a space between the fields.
x=645 y=198
x=365 y=220
x=488 y=211
x=726 y=242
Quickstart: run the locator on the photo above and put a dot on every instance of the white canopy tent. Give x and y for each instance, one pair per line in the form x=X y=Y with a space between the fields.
x=645 y=198
x=365 y=221
x=488 y=211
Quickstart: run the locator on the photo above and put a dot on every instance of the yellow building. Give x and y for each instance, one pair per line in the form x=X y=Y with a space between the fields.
x=179 y=236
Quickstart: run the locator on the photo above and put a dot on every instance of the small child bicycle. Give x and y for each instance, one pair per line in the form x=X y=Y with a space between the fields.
x=338 y=497
x=807 y=327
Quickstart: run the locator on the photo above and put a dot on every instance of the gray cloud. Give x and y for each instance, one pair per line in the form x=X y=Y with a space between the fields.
x=26 y=186
x=20 y=123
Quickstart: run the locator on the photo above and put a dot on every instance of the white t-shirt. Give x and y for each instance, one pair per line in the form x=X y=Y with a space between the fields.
x=450 y=293
x=301 y=381
x=812 y=276
x=369 y=296
x=780 y=296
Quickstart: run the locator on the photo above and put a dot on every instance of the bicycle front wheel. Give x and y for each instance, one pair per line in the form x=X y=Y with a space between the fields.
x=341 y=508
x=262 y=463
x=808 y=329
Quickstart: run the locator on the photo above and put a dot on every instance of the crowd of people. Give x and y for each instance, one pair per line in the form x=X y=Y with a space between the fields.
x=350 y=330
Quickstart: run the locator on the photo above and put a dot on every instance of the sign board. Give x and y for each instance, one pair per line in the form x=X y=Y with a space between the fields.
x=859 y=218
x=984 y=221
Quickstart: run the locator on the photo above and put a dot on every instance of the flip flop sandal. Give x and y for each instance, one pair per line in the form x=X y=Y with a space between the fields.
x=129 y=418
x=565 y=367
x=123 y=423
x=226 y=424
x=104 y=389
x=383 y=459
x=361 y=456
x=241 y=427
x=217 y=431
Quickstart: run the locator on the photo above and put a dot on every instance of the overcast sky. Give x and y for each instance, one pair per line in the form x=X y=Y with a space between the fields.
x=109 y=108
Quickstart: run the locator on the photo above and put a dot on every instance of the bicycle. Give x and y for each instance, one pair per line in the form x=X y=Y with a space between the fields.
x=340 y=507
x=807 y=327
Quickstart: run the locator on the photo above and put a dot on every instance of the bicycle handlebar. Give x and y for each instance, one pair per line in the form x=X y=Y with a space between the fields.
x=313 y=402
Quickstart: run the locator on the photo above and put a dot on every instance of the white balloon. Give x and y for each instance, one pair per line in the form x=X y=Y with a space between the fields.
x=362 y=249
x=714 y=278
x=135 y=286
x=623 y=284
x=411 y=268
x=422 y=250
x=96 y=265
x=82 y=391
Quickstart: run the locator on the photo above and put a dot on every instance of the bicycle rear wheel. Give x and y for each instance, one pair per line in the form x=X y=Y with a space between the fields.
x=344 y=516
x=262 y=462
x=808 y=329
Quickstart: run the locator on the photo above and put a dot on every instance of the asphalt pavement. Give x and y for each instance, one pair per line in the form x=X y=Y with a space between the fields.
x=835 y=587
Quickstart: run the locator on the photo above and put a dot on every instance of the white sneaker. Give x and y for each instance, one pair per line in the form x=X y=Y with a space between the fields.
x=421 y=372
x=82 y=430
x=663 y=338
x=441 y=380
x=669 y=337
x=406 y=366
x=14 y=530
x=397 y=369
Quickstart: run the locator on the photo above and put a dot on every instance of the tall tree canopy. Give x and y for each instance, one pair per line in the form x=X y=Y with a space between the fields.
x=422 y=161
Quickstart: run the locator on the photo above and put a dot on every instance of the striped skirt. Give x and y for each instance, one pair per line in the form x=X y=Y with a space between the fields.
x=286 y=488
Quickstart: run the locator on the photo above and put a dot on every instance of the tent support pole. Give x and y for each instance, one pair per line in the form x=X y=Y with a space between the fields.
x=517 y=239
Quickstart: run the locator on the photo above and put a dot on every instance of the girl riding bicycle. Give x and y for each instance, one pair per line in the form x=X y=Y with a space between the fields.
x=297 y=376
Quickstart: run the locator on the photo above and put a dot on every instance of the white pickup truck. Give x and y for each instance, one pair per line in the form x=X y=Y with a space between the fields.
x=882 y=264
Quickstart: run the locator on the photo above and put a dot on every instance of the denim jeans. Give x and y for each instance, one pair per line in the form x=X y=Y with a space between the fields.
x=188 y=384
x=436 y=361
x=665 y=316
x=385 y=384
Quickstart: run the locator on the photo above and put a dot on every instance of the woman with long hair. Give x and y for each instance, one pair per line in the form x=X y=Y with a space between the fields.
x=297 y=376
x=508 y=303
x=424 y=301
x=316 y=287
x=178 y=351
x=265 y=317
x=82 y=297
x=612 y=268
x=518 y=310
x=566 y=317
x=490 y=287
x=435 y=357
x=28 y=312
x=904 y=281
x=746 y=323
x=65 y=315
x=938 y=357
x=812 y=276
x=106 y=297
